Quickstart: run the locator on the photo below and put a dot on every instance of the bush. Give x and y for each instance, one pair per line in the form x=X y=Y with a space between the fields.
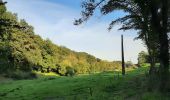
x=129 y=64
x=70 y=71
x=19 y=75
x=62 y=71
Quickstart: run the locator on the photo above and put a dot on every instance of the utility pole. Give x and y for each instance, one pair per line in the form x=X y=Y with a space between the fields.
x=123 y=62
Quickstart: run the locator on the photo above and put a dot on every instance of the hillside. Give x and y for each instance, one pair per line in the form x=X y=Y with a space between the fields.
x=31 y=50
x=22 y=50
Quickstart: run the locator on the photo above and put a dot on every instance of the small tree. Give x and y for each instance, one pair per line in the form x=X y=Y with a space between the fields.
x=143 y=57
x=129 y=64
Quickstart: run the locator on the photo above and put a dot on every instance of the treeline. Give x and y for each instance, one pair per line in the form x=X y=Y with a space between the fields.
x=22 y=50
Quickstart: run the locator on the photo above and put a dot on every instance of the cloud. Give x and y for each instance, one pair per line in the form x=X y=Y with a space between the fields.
x=55 y=21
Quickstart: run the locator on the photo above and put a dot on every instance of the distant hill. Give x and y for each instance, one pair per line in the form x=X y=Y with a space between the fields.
x=27 y=51
x=21 y=49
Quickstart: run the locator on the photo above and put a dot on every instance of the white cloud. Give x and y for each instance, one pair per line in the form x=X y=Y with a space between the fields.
x=55 y=21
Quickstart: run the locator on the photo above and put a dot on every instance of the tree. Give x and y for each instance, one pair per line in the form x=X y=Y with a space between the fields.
x=143 y=58
x=150 y=17
x=129 y=64
x=27 y=28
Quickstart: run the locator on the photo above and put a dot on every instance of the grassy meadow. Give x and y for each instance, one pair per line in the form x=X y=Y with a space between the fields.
x=100 y=86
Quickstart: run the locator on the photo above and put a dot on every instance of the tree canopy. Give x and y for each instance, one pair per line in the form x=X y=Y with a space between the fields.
x=150 y=17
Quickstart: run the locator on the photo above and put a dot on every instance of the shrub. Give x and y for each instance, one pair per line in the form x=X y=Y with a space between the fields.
x=129 y=64
x=70 y=71
x=19 y=75
x=62 y=71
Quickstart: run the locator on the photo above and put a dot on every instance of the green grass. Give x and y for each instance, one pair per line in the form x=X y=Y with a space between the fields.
x=100 y=86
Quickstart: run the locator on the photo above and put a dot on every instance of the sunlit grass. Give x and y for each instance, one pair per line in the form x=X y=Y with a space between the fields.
x=97 y=86
x=46 y=74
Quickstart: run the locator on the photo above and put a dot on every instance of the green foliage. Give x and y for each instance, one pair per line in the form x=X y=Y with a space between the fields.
x=62 y=71
x=129 y=64
x=19 y=75
x=70 y=71
x=143 y=57
x=2 y=8
x=6 y=62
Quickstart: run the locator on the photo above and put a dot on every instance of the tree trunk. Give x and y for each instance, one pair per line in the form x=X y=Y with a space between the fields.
x=151 y=55
x=123 y=62
x=164 y=48
x=152 y=68
x=160 y=24
x=164 y=62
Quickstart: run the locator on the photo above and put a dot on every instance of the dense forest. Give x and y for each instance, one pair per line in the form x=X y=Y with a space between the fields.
x=22 y=50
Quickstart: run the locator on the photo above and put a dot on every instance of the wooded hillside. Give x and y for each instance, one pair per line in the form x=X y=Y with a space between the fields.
x=21 y=49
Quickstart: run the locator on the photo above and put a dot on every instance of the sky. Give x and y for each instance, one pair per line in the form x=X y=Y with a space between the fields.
x=53 y=19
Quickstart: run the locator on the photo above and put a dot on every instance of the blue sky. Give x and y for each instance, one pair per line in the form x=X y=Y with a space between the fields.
x=53 y=19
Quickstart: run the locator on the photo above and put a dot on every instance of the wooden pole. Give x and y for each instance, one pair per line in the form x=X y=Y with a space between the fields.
x=123 y=62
